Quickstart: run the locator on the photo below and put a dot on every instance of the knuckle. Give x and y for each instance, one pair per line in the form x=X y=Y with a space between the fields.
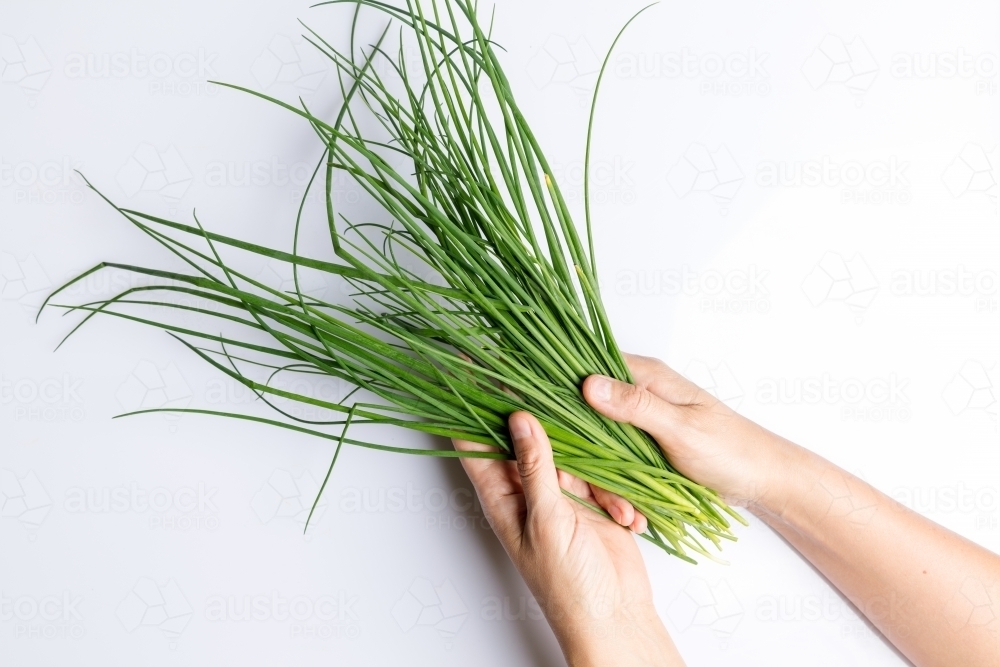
x=660 y=366
x=675 y=379
x=634 y=399
x=657 y=367
x=528 y=464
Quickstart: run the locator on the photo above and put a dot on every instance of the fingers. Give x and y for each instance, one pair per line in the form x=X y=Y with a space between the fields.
x=620 y=509
x=535 y=464
x=574 y=485
x=631 y=403
x=662 y=380
x=487 y=475
x=640 y=523
x=498 y=491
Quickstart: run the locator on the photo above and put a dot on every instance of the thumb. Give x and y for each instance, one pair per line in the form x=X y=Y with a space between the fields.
x=534 y=463
x=633 y=404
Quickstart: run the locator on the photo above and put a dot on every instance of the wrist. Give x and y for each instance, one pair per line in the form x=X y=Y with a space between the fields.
x=792 y=472
x=634 y=642
x=808 y=492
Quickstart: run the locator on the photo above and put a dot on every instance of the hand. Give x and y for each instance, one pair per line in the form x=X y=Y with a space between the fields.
x=914 y=580
x=585 y=571
x=702 y=437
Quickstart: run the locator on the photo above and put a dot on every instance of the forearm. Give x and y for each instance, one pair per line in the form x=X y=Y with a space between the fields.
x=933 y=594
x=617 y=642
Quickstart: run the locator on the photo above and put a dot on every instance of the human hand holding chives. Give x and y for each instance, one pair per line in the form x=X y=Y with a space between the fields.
x=585 y=571
x=933 y=594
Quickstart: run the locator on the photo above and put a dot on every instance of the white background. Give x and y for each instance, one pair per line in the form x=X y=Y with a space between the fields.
x=848 y=281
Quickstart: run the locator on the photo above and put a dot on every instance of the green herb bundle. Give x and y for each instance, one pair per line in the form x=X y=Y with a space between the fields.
x=504 y=313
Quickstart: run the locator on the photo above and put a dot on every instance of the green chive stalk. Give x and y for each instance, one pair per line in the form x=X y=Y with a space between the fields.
x=504 y=315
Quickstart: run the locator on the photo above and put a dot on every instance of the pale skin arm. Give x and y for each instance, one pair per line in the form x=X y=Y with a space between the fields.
x=933 y=594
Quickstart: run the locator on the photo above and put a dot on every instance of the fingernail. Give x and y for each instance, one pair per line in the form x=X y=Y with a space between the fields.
x=601 y=388
x=520 y=429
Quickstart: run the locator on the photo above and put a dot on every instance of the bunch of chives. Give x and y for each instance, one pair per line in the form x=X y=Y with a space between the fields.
x=505 y=313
